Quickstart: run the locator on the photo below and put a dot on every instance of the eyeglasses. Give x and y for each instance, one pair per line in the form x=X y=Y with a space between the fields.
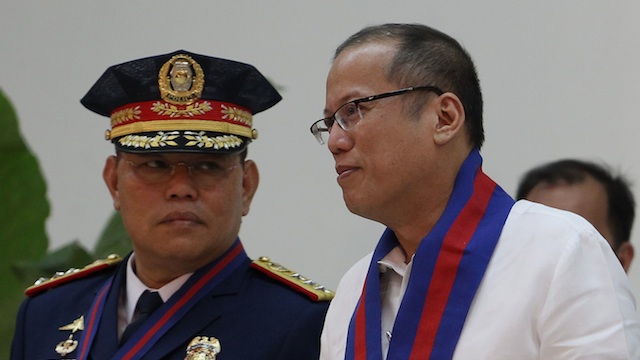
x=206 y=173
x=349 y=115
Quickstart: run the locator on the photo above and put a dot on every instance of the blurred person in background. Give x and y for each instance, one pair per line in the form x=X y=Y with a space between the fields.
x=591 y=191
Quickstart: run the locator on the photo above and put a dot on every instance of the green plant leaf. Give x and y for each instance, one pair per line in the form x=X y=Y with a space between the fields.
x=23 y=239
x=114 y=239
x=23 y=213
x=69 y=256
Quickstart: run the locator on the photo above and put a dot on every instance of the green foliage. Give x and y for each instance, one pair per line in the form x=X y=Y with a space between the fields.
x=23 y=213
x=69 y=256
x=114 y=239
x=23 y=239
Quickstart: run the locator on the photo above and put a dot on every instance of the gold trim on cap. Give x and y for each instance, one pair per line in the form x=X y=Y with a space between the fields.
x=193 y=125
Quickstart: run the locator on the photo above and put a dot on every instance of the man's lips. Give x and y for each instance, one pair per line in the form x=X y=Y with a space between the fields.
x=344 y=170
x=181 y=216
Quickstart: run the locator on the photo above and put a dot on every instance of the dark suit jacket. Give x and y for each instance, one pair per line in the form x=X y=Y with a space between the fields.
x=252 y=315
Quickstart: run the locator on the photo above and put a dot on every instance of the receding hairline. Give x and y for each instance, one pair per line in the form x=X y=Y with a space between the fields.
x=392 y=43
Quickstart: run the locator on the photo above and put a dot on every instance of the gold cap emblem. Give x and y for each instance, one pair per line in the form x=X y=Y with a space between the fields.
x=181 y=80
x=203 y=348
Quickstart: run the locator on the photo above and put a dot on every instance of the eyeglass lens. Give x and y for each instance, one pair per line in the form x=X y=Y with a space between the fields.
x=205 y=174
x=349 y=115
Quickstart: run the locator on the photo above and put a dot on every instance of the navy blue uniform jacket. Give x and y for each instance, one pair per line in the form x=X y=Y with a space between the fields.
x=252 y=315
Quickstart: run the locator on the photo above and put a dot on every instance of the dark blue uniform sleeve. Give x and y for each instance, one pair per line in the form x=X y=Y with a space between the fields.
x=17 y=346
x=303 y=340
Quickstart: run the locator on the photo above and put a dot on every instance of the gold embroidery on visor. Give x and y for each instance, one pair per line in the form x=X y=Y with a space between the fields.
x=196 y=139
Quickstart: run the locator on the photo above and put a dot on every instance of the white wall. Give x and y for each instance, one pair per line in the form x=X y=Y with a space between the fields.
x=560 y=79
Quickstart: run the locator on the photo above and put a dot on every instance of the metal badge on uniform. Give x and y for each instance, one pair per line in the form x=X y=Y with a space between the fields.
x=203 y=348
x=181 y=80
x=69 y=345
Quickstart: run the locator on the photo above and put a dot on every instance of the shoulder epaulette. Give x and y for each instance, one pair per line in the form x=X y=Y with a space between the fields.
x=292 y=279
x=62 y=277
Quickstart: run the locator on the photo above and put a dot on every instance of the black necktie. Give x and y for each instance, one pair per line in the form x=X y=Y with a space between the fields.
x=147 y=304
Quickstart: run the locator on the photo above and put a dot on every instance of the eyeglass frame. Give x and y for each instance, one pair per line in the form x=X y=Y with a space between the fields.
x=189 y=165
x=317 y=131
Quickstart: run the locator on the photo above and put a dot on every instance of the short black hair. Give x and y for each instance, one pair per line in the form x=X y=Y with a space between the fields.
x=426 y=56
x=621 y=202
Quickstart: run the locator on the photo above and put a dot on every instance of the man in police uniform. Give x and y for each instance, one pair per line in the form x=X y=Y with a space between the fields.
x=180 y=123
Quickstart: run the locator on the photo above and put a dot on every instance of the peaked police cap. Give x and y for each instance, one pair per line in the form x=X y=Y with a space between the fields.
x=181 y=102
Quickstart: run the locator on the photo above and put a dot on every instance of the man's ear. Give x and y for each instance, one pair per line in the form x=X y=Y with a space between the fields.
x=451 y=118
x=250 y=180
x=625 y=254
x=110 y=176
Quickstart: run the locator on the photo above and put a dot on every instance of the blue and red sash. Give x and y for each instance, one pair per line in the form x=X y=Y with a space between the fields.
x=196 y=287
x=446 y=272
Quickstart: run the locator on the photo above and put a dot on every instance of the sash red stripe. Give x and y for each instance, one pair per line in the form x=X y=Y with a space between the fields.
x=196 y=287
x=444 y=275
x=360 y=344
x=92 y=322
x=448 y=268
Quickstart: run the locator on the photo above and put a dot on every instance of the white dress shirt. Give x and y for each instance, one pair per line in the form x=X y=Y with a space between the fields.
x=135 y=288
x=393 y=285
x=553 y=289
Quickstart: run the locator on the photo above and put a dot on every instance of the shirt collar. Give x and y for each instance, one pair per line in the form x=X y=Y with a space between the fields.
x=135 y=288
x=394 y=260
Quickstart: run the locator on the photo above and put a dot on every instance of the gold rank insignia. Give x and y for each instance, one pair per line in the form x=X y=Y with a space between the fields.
x=63 y=277
x=293 y=279
x=69 y=345
x=203 y=348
